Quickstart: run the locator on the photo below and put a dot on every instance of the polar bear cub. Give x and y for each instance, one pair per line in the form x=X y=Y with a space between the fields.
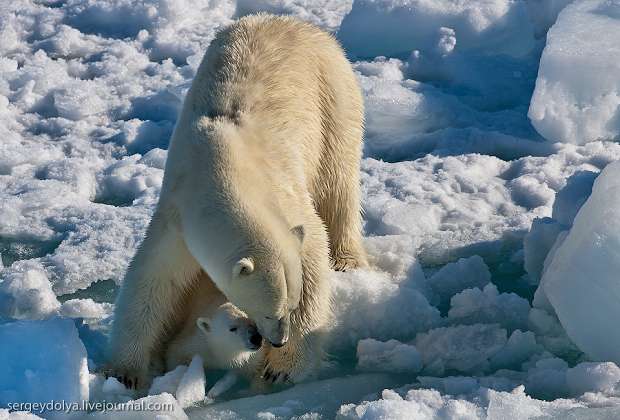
x=225 y=338
x=222 y=335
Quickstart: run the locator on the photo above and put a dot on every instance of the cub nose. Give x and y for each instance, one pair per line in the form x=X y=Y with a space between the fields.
x=256 y=339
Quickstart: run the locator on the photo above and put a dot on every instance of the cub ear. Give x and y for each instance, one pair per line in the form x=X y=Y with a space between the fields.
x=203 y=324
x=243 y=266
x=299 y=232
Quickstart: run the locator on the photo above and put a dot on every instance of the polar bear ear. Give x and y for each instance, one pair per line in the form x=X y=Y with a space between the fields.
x=243 y=266
x=299 y=232
x=203 y=324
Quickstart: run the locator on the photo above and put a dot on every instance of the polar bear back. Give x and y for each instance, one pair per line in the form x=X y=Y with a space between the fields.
x=285 y=85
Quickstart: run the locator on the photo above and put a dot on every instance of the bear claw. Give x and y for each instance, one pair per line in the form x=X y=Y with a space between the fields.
x=275 y=377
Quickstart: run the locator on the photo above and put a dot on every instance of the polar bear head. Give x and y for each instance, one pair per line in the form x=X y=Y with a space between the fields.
x=266 y=283
x=231 y=336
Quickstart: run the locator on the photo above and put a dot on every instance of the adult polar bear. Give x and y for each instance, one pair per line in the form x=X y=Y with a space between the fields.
x=262 y=177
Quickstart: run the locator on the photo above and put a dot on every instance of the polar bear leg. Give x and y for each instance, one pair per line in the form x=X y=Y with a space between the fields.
x=148 y=301
x=338 y=200
x=300 y=357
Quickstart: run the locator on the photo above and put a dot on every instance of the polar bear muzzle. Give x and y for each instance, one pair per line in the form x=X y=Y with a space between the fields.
x=276 y=331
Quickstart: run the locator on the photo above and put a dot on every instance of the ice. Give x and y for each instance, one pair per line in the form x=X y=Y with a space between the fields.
x=537 y=244
x=580 y=281
x=113 y=386
x=463 y=348
x=547 y=378
x=565 y=106
x=390 y=356
x=42 y=361
x=191 y=388
x=473 y=306
x=320 y=397
x=547 y=233
x=520 y=347
x=549 y=332
x=168 y=382
x=186 y=383
x=544 y=13
x=571 y=197
x=455 y=277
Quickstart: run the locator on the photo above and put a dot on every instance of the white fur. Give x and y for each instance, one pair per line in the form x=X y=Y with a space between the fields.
x=207 y=334
x=269 y=140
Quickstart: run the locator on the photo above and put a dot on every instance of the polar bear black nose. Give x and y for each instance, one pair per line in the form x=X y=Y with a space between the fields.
x=256 y=339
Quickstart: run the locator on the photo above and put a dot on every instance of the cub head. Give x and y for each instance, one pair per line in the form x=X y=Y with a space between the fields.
x=232 y=337
x=267 y=284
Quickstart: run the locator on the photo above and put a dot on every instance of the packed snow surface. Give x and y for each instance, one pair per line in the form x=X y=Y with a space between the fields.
x=487 y=123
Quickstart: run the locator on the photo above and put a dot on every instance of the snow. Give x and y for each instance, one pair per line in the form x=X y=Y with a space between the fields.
x=162 y=406
x=17 y=415
x=380 y=27
x=566 y=106
x=487 y=125
x=588 y=377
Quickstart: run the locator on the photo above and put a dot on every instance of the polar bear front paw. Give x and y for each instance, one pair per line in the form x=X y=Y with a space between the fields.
x=273 y=376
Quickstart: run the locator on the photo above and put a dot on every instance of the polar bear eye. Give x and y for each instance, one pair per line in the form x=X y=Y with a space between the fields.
x=233 y=329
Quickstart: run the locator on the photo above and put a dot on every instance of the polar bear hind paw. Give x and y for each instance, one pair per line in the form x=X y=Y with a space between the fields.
x=128 y=377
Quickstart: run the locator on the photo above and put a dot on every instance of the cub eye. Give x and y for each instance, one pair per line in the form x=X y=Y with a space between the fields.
x=233 y=329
